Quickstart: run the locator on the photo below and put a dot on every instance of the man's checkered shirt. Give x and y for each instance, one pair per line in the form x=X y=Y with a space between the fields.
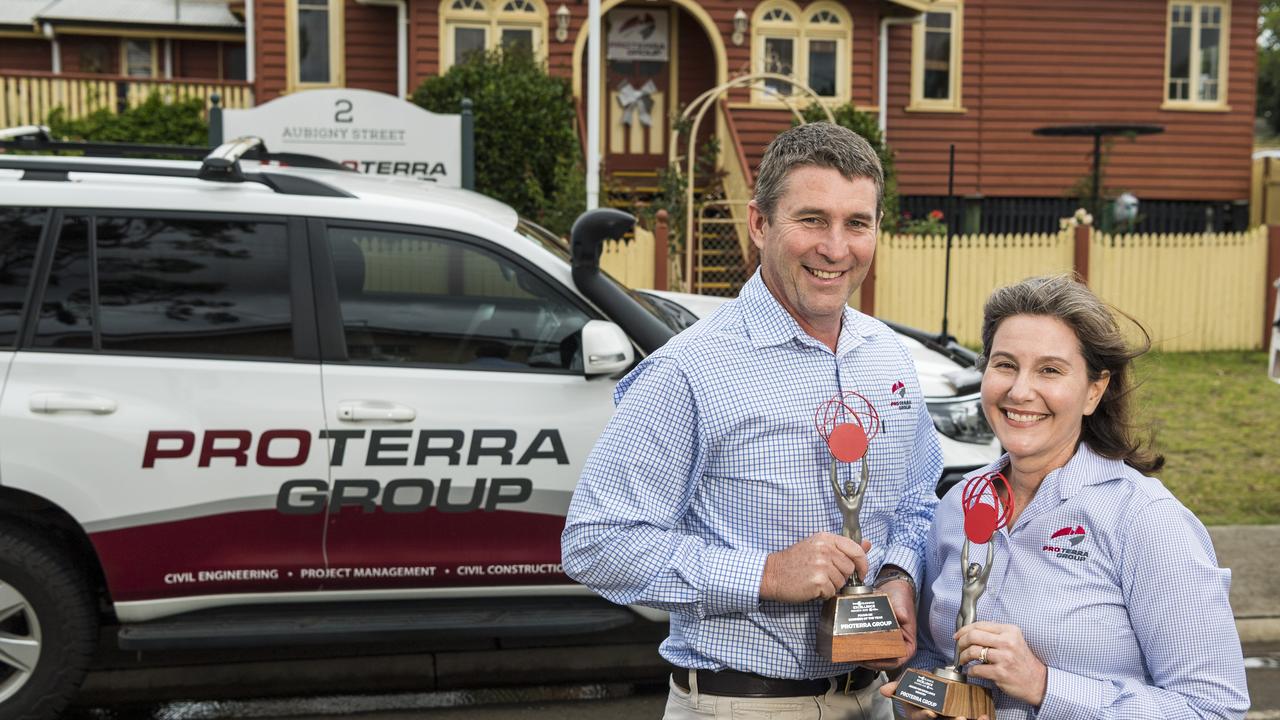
x=1116 y=589
x=712 y=461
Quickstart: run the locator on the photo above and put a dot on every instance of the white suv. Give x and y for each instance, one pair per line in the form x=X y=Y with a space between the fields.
x=233 y=385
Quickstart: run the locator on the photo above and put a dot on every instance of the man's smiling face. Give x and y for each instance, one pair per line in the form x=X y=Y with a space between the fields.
x=817 y=247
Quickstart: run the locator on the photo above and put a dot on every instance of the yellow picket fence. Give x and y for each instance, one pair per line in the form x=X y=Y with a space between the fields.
x=631 y=262
x=27 y=99
x=1191 y=292
x=910 y=275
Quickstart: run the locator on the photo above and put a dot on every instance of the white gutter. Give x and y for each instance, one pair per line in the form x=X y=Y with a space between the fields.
x=250 y=64
x=594 y=103
x=402 y=42
x=55 y=63
x=884 y=66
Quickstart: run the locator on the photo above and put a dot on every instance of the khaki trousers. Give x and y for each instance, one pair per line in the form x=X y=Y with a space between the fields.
x=865 y=704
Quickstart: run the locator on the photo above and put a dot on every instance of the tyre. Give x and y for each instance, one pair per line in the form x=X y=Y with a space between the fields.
x=48 y=626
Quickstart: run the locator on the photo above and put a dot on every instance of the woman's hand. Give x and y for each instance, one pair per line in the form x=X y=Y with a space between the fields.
x=1003 y=658
x=911 y=712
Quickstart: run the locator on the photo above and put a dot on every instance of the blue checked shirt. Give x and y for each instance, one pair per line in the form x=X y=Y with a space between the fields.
x=712 y=461
x=1116 y=589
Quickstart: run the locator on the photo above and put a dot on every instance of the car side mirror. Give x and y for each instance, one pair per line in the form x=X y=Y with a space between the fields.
x=606 y=349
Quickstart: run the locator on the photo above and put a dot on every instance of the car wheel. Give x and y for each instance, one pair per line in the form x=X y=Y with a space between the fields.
x=48 y=627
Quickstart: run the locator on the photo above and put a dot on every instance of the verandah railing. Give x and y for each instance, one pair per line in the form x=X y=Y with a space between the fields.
x=26 y=98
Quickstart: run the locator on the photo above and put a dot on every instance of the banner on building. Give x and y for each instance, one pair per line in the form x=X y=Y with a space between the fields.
x=638 y=34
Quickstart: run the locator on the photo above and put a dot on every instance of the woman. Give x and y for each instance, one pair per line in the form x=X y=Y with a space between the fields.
x=1105 y=600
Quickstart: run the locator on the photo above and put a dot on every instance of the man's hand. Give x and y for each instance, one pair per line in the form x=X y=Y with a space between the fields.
x=814 y=568
x=903 y=600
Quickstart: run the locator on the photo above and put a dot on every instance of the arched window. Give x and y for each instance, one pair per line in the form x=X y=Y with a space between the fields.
x=470 y=26
x=811 y=46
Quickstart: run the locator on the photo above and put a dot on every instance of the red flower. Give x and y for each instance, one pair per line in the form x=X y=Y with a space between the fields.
x=906 y=216
x=935 y=215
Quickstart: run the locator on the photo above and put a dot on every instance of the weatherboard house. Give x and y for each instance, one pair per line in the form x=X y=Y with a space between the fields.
x=977 y=75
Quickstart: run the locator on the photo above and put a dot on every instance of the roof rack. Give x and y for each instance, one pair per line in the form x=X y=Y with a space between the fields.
x=222 y=164
x=37 y=138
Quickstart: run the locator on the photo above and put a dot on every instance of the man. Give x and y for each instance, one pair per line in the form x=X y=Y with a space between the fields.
x=708 y=493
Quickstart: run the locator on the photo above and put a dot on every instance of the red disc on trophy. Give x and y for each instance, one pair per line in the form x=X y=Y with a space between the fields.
x=980 y=523
x=847 y=442
x=984 y=513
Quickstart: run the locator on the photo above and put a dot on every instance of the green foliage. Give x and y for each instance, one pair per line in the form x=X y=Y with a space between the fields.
x=527 y=152
x=1268 y=106
x=932 y=224
x=868 y=126
x=153 y=121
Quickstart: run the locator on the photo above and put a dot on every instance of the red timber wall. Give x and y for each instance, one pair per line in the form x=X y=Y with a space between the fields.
x=77 y=52
x=197 y=59
x=371 y=47
x=25 y=54
x=1027 y=65
x=271 y=73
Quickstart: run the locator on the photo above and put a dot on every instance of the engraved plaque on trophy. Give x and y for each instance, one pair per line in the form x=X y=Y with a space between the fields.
x=858 y=624
x=946 y=691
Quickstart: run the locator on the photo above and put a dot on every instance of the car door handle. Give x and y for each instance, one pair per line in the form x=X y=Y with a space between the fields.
x=52 y=402
x=356 y=410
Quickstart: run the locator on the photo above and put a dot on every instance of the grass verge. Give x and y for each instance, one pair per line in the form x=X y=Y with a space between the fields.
x=1217 y=421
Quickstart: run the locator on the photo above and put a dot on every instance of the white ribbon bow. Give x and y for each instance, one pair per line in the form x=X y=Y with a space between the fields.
x=633 y=100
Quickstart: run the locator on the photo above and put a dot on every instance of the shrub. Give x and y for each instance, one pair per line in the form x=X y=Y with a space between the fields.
x=868 y=126
x=527 y=152
x=154 y=121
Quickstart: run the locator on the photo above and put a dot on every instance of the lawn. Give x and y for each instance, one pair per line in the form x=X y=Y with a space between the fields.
x=1217 y=421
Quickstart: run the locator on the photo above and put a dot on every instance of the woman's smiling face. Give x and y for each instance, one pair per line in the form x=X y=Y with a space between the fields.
x=1036 y=391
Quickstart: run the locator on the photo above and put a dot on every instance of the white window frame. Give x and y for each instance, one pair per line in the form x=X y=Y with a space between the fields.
x=953 y=103
x=801 y=31
x=1224 y=54
x=493 y=19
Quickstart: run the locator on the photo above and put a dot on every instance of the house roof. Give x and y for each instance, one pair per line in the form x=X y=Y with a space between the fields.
x=22 y=12
x=170 y=13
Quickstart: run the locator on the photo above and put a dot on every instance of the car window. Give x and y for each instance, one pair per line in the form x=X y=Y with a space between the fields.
x=19 y=239
x=199 y=287
x=560 y=248
x=410 y=298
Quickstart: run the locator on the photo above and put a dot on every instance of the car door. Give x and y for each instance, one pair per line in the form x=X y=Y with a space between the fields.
x=457 y=407
x=166 y=387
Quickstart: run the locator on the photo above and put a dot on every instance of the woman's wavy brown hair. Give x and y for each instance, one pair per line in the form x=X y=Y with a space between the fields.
x=1110 y=430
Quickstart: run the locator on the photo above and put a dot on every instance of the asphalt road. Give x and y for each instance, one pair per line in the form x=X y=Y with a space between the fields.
x=616 y=701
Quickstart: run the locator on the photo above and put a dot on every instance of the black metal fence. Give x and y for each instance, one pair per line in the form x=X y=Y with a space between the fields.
x=1041 y=215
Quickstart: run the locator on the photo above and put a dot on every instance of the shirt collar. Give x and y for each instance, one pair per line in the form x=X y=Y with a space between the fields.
x=769 y=324
x=1085 y=468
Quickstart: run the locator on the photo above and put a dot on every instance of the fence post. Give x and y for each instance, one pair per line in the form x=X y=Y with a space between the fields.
x=215 y=120
x=1081 y=255
x=867 y=293
x=661 y=236
x=1273 y=272
x=468 y=146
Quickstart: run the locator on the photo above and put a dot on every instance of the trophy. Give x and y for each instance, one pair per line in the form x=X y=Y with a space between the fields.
x=946 y=690
x=857 y=624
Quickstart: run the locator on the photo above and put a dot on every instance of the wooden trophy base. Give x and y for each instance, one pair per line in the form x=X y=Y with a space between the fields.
x=946 y=696
x=859 y=626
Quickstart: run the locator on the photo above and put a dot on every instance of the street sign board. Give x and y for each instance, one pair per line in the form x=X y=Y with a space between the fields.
x=368 y=131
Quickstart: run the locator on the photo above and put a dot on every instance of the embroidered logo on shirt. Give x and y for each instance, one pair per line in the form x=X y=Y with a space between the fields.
x=900 y=389
x=1067 y=535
